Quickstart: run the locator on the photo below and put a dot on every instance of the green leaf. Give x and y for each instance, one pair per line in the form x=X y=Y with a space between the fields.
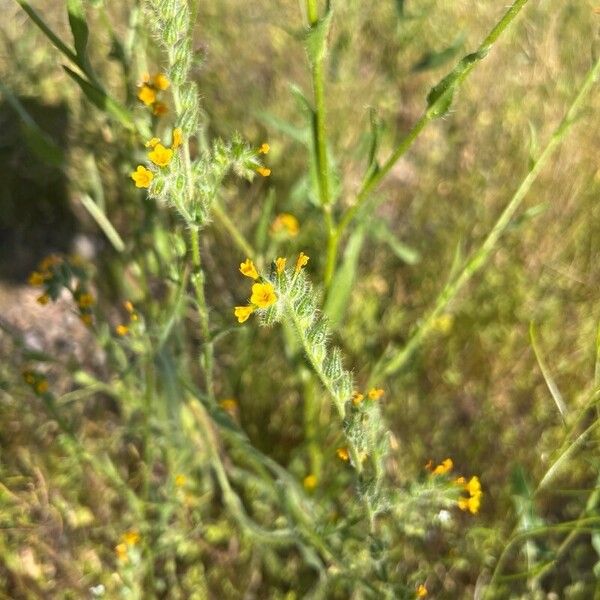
x=298 y=134
x=262 y=229
x=315 y=40
x=381 y=231
x=433 y=60
x=79 y=29
x=102 y=221
x=343 y=280
x=102 y=100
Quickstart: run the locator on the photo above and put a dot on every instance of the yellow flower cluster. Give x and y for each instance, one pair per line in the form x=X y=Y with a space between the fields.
x=123 y=329
x=149 y=89
x=471 y=503
x=264 y=171
x=159 y=155
x=44 y=273
x=37 y=382
x=85 y=302
x=128 y=539
x=263 y=293
x=373 y=394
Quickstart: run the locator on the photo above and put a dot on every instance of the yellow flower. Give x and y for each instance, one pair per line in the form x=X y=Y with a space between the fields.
x=357 y=398
x=86 y=319
x=147 y=95
x=286 y=222
x=446 y=466
x=36 y=278
x=41 y=387
x=471 y=504
x=248 y=269
x=180 y=480
x=152 y=142
x=342 y=454
x=421 y=591
x=460 y=481
x=121 y=552
x=229 y=405
x=160 y=156
x=474 y=486
x=302 y=261
x=177 y=138
x=375 y=393
x=264 y=148
x=264 y=171
x=85 y=300
x=310 y=482
x=243 y=313
x=280 y=265
x=161 y=81
x=160 y=109
x=263 y=295
x=121 y=330
x=131 y=537
x=43 y=299
x=443 y=323
x=142 y=177
x=128 y=306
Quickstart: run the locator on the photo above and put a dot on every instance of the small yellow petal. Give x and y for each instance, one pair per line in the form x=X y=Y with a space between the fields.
x=142 y=177
x=264 y=148
x=264 y=171
x=242 y=313
x=147 y=95
x=342 y=454
x=248 y=269
x=160 y=109
x=177 y=138
x=263 y=295
x=280 y=265
x=152 y=142
x=160 y=155
x=121 y=330
x=161 y=81
x=376 y=393
x=310 y=482
x=302 y=261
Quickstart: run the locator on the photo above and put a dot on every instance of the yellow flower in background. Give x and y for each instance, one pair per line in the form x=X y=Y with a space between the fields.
x=285 y=222
x=161 y=81
x=342 y=454
x=180 y=480
x=264 y=148
x=473 y=502
x=147 y=95
x=121 y=552
x=86 y=319
x=160 y=109
x=446 y=466
x=41 y=387
x=443 y=323
x=280 y=265
x=229 y=405
x=121 y=330
x=36 y=278
x=302 y=261
x=263 y=295
x=248 y=269
x=264 y=171
x=85 y=300
x=131 y=537
x=474 y=486
x=43 y=299
x=376 y=393
x=310 y=482
x=422 y=591
x=160 y=155
x=177 y=138
x=142 y=177
x=242 y=313
x=152 y=142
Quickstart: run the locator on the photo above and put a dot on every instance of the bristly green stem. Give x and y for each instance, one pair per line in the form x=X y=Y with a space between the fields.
x=371 y=182
x=480 y=257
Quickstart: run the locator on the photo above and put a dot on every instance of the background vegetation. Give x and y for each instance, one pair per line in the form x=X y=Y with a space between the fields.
x=112 y=484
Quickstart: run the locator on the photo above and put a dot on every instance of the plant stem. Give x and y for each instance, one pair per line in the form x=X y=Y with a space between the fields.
x=236 y=235
x=480 y=257
x=428 y=115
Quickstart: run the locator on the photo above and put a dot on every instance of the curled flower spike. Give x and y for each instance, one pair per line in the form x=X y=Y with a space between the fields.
x=287 y=223
x=445 y=467
x=280 y=265
x=177 y=138
x=243 y=313
x=342 y=454
x=161 y=81
x=264 y=171
x=310 y=482
x=152 y=142
x=160 y=156
x=147 y=95
x=376 y=393
x=302 y=261
x=264 y=148
x=248 y=269
x=263 y=295
x=142 y=177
